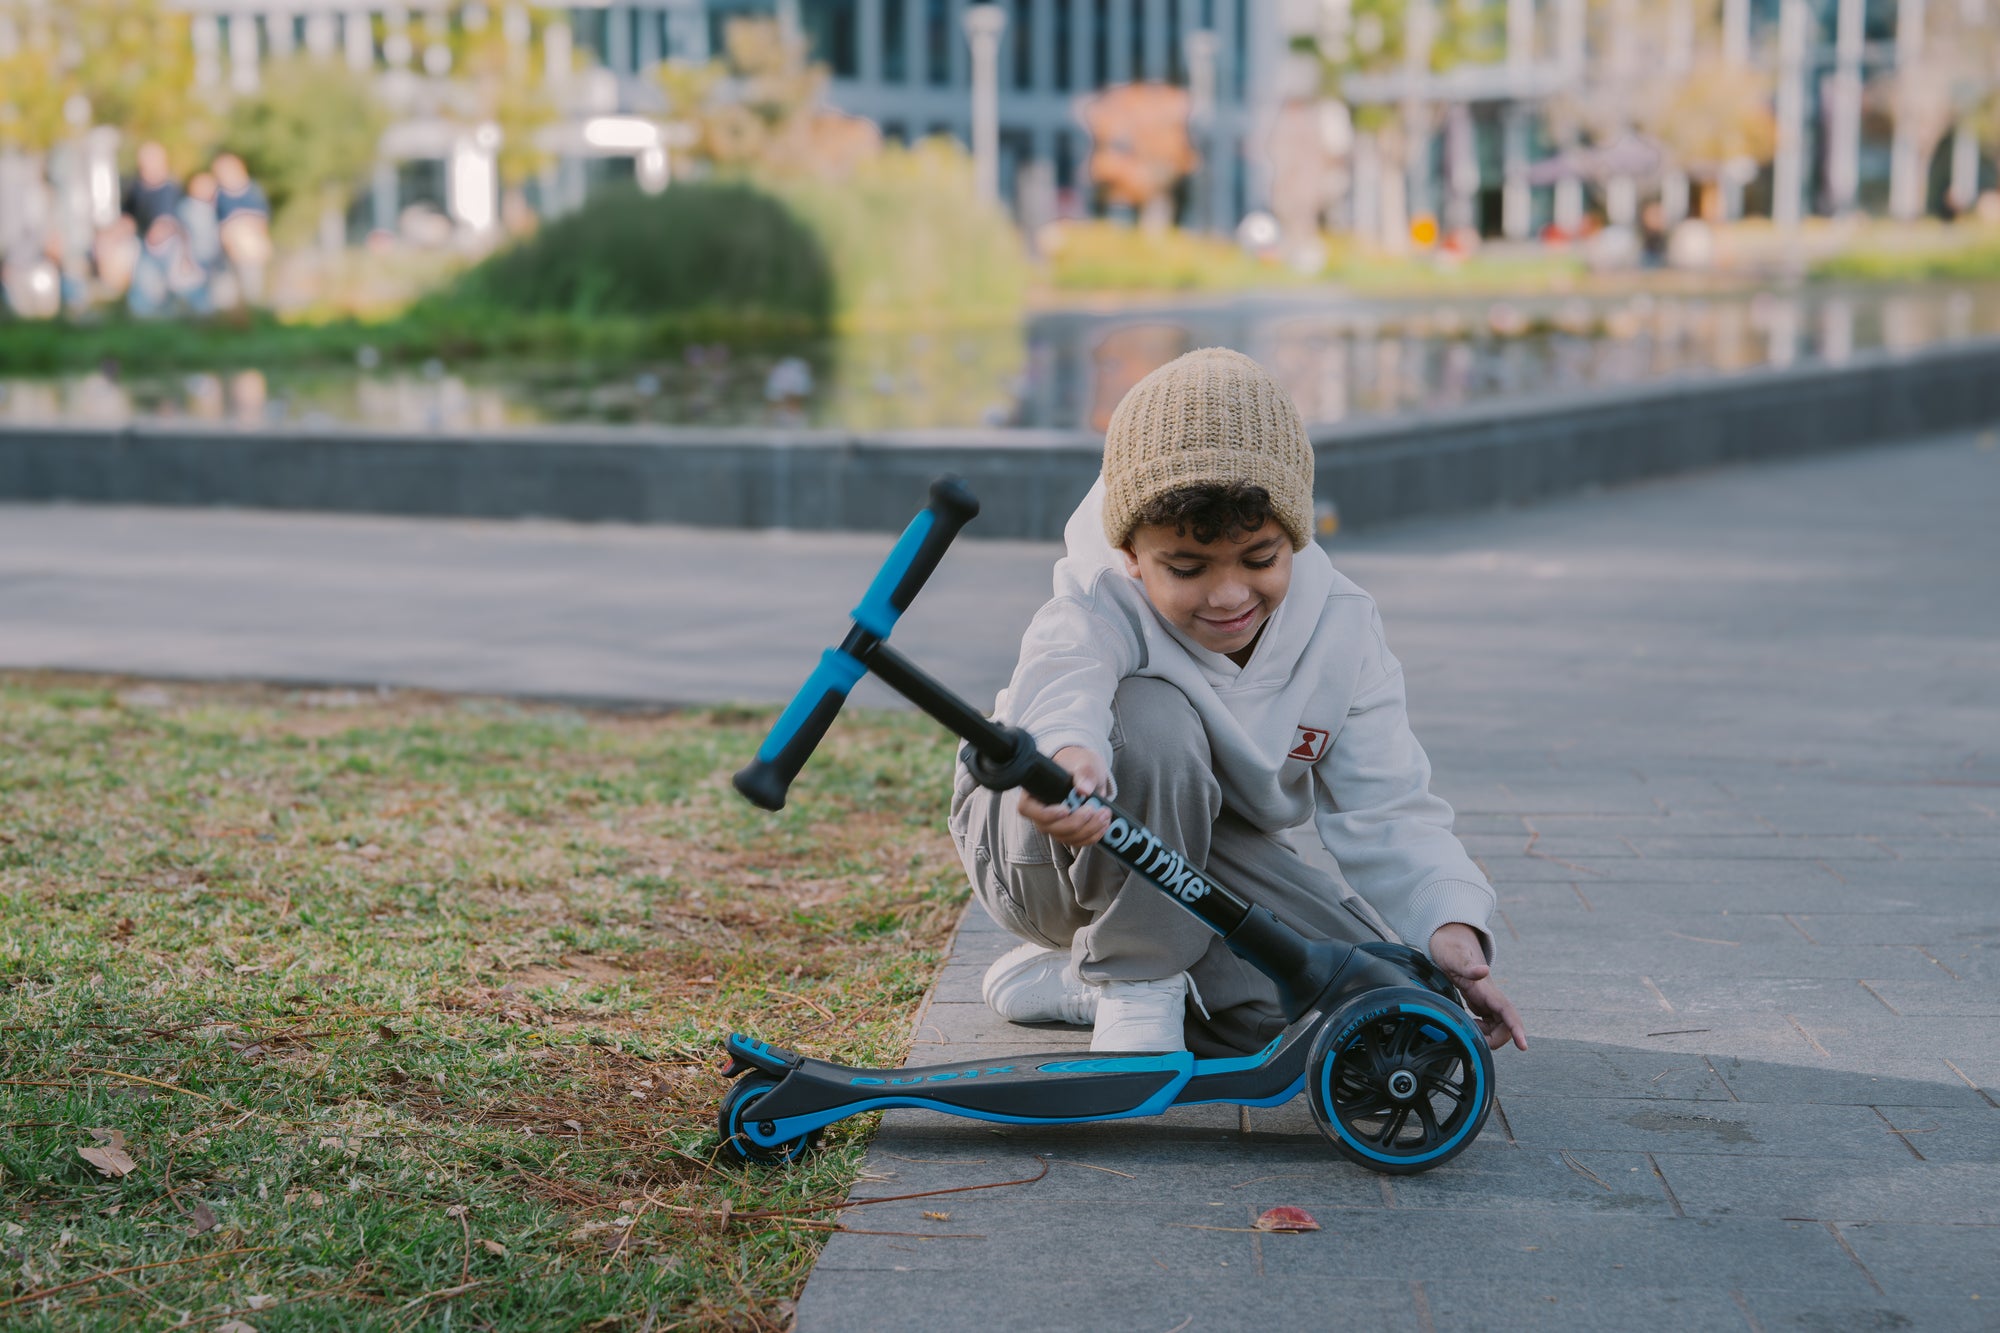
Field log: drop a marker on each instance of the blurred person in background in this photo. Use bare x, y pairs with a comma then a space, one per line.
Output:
244, 214
202, 228
116, 254
153, 193
160, 276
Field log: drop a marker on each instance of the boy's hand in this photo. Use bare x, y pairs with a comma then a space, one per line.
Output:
1455, 948
1073, 828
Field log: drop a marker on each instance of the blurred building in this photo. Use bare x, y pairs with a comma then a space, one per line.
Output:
903, 63
1489, 156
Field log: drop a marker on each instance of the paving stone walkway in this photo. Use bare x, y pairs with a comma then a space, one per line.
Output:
1729, 748
1728, 745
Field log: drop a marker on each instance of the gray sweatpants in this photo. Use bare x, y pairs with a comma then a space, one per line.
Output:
1120, 928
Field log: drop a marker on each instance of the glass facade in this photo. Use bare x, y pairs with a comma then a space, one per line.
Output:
830, 32
895, 41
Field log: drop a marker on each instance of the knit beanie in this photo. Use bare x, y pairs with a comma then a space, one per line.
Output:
1209, 417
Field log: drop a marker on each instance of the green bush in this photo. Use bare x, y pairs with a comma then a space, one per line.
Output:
901, 240
695, 247
1964, 253
1108, 257
910, 243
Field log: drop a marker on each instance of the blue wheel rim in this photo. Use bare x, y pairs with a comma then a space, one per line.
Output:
1463, 1117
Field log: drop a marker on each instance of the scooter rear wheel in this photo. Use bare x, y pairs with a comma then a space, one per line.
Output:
1400, 1080
738, 1109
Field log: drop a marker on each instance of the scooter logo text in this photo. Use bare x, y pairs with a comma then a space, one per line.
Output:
1155, 860
946, 1076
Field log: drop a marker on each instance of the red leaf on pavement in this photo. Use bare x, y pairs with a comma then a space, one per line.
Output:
1286, 1218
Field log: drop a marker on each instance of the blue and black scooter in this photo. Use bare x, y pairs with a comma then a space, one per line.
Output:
1395, 1071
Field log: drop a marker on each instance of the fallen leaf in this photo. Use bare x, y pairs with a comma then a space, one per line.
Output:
110, 1161
493, 1247
201, 1219
456, 1210
938, 1217
576, 1125
1286, 1218
236, 1326
259, 1302
109, 1138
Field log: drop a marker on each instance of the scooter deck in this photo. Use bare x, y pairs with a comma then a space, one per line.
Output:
1052, 1088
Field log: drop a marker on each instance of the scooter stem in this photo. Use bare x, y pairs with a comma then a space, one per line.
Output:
1006, 757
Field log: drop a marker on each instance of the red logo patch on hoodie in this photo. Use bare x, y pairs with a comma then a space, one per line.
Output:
1310, 744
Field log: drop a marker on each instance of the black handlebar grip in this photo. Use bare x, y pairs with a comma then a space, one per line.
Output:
799, 730
954, 505
916, 556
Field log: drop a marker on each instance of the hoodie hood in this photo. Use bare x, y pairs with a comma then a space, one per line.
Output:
1089, 560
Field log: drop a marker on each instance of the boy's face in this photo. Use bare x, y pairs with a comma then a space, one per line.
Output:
1217, 593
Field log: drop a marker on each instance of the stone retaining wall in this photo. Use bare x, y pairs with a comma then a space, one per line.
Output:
1028, 481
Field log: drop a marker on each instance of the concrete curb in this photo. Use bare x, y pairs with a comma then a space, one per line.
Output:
1374, 471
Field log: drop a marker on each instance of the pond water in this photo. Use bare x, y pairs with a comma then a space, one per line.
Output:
1340, 359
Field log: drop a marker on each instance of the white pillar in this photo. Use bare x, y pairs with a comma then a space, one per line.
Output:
396, 44
1964, 189
1843, 149
243, 52
359, 39
983, 25
1570, 56
1736, 31
322, 38
1735, 50
1788, 166
1679, 60
1906, 169
1416, 128
206, 35
556, 53
1516, 201
1201, 48
278, 32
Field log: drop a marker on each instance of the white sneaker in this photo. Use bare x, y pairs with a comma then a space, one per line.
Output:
1036, 985
1142, 1015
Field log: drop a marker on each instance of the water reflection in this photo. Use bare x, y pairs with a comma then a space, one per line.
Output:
1068, 369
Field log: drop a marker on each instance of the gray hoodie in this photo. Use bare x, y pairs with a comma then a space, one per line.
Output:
1313, 730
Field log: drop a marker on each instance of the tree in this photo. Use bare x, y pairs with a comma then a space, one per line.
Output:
1139, 146
131, 60
761, 108
1714, 118
1389, 38
309, 137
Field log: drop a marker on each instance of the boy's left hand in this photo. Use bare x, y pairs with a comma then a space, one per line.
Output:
1455, 948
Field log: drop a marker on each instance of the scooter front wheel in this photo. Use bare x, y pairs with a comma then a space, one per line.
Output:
1400, 1080
739, 1109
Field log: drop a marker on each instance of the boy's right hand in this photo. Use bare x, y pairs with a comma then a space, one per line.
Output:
1074, 828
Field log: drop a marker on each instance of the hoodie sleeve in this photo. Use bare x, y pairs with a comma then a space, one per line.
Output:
1390, 834
1072, 658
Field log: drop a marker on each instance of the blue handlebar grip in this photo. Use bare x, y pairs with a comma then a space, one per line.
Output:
799, 729
915, 556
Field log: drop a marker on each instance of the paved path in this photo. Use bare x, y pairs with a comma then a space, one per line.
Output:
1729, 747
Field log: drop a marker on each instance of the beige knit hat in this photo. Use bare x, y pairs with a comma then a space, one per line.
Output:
1210, 416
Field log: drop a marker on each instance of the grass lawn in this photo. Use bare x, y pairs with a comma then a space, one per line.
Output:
339, 1011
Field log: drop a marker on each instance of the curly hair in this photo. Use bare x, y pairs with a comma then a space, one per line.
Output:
1210, 510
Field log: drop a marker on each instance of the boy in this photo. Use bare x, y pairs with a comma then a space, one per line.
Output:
1202, 662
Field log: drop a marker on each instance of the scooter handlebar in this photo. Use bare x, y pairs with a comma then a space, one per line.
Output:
915, 556
799, 729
